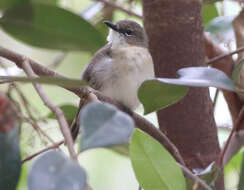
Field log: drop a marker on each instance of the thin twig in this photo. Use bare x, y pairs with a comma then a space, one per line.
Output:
116, 6
55, 109
217, 58
56, 145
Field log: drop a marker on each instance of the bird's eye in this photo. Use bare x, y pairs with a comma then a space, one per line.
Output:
128, 33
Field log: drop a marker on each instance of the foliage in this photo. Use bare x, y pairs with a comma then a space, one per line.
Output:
45, 24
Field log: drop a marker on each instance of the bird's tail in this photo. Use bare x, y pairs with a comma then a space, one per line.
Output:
75, 126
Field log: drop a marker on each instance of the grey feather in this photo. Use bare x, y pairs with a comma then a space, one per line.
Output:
89, 72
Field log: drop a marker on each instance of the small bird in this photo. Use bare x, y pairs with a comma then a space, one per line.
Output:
118, 69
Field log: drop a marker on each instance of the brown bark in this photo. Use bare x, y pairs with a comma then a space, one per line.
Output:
175, 36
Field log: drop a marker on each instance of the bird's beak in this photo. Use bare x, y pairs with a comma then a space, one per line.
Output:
112, 26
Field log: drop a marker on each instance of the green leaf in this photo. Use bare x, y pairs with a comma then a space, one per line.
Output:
155, 95
65, 82
153, 165
209, 12
10, 161
48, 26
201, 77
241, 180
54, 171
103, 125
236, 72
69, 112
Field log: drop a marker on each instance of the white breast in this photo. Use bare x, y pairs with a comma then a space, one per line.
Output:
130, 66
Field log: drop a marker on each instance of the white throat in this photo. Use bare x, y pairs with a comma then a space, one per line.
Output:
116, 39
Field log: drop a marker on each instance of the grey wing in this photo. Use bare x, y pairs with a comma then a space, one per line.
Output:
90, 73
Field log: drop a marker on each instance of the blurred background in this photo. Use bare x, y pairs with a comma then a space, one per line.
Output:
106, 169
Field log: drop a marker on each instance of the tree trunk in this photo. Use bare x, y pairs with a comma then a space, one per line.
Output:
175, 32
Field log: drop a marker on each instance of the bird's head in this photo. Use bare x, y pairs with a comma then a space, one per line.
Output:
126, 33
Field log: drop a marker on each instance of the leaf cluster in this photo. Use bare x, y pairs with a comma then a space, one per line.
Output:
44, 24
